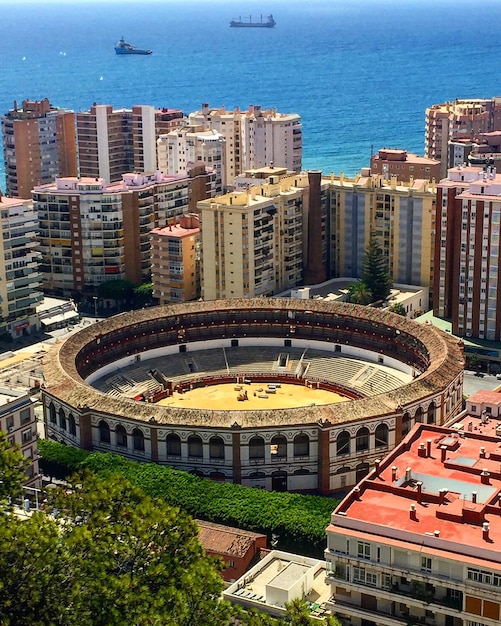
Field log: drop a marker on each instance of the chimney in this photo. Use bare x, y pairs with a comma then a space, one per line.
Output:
474, 497
482, 453
428, 448
484, 476
470, 426
419, 490
443, 450
412, 512
356, 493
422, 450
377, 463
485, 531
436, 533
441, 495
394, 473
408, 474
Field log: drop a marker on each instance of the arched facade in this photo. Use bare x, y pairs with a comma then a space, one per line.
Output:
322, 448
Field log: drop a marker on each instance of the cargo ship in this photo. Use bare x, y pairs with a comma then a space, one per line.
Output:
123, 47
268, 23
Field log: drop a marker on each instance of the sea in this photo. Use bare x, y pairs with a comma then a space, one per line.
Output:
359, 72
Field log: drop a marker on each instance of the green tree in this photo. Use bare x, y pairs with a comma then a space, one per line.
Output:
298, 614
359, 293
121, 291
398, 308
143, 294
107, 555
13, 466
375, 272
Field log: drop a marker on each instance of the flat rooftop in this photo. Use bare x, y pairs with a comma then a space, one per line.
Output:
437, 489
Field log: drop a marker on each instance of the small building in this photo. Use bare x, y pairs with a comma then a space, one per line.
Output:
238, 548
280, 578
175, 260
56, 313
406, 166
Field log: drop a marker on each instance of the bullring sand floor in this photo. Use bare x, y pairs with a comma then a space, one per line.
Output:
225, 397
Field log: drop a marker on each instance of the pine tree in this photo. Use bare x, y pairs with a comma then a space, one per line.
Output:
375, 272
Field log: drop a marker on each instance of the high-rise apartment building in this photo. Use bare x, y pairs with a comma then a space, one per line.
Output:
458, 120
417, 540
20, 279
175, 260
257, 242
467, 252
92, 232
39, 144
254, 138
113, 142
189, 146
400, 214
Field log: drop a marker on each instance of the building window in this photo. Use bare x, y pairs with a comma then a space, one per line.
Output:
278, 447
362, 576
362, 439
173, 445
27, 435
343, 443
104, 432
216, 448
25, 416
72, 427
121, 436
195, 447
256, 448
364, 550
138, 439
386, 582
382, 436
301, 445
426, 564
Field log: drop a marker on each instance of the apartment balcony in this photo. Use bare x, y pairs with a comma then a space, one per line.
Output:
417, 594
343, 607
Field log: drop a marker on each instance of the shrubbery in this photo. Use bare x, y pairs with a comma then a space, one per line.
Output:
298, 520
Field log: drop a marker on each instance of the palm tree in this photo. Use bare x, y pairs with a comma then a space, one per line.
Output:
359, 293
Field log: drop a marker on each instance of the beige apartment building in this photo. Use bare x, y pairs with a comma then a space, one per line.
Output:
175, 260
402, 216
39, 144
254, 138
259, 242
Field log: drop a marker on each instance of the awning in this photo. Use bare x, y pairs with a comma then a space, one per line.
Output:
59, 318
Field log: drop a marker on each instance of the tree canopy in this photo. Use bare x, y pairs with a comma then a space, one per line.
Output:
102, 553
13, 465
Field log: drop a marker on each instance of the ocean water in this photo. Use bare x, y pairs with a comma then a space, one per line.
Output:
360, 72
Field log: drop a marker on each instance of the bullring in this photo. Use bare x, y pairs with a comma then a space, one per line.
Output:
322, 448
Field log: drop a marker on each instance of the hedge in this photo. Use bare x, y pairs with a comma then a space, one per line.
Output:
298, 520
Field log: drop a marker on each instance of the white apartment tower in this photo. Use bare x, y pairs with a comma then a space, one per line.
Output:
189, 146
254, 138
20, 279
